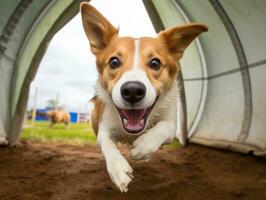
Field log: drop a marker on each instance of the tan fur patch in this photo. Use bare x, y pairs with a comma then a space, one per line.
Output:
96, 113
123, 49
162, 79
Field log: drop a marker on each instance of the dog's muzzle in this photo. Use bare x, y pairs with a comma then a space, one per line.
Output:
133, 118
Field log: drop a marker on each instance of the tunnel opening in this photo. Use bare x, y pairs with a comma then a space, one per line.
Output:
67, 73
64, 82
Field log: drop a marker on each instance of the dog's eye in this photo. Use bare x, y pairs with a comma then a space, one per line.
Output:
155, 63
114, 62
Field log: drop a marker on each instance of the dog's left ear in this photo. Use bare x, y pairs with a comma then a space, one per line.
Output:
178, 38
98, 29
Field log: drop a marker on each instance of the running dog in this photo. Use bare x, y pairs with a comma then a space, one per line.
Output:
58, 116
136, 92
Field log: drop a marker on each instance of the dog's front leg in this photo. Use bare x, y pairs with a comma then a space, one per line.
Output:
118, 168
149, 142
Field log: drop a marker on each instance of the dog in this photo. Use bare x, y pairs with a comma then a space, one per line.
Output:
58, 116
136, 91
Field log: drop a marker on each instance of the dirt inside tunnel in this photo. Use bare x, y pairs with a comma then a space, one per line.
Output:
42, 170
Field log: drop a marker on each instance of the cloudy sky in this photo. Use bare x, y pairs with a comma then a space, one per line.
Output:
68, 67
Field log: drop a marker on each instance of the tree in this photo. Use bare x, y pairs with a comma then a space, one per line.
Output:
51, 104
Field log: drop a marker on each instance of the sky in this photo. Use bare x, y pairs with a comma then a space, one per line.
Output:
68, 67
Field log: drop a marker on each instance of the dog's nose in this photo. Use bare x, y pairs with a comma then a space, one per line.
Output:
133, 91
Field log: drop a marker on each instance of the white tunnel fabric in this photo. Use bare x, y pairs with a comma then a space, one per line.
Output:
234, 51
11, 35
224, 99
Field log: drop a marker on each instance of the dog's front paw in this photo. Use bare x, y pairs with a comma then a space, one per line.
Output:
144, 146
120, 172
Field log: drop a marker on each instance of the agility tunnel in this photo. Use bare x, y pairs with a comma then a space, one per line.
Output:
223, 72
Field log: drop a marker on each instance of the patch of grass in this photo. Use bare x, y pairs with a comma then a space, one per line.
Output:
175, 144
75, 133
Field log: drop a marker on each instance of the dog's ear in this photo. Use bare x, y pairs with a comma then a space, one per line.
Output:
178, 38
97, 28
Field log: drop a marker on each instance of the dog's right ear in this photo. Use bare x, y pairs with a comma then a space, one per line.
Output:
97, 28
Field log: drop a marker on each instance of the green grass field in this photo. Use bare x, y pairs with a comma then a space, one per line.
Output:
76, 133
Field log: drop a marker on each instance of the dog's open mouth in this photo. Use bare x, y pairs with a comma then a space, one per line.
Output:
134, 120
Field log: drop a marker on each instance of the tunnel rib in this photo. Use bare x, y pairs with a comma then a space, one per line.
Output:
252, 65
243, 65
11, 25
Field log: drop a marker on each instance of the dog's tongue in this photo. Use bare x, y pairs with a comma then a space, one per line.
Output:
134, 118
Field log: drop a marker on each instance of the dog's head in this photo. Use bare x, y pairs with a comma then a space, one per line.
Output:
135, 72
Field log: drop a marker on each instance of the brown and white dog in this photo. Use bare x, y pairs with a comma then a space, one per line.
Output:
58, 116
136, 92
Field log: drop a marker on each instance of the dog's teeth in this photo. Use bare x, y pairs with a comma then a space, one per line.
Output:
125, 121
142, 122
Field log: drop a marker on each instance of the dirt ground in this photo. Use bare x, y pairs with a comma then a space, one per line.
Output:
38, 170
